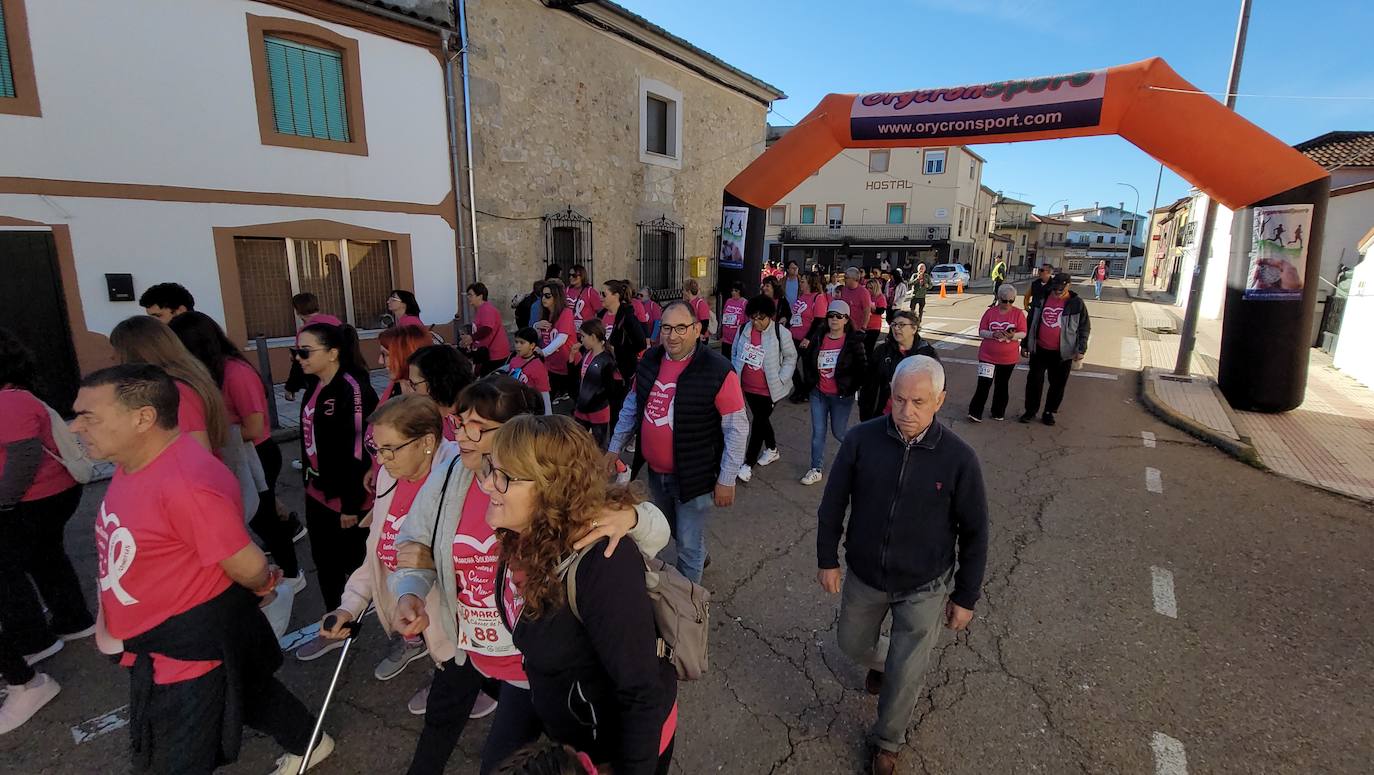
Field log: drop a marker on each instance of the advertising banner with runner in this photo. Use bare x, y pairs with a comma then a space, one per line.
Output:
1278, 252
734, 223
1002, 107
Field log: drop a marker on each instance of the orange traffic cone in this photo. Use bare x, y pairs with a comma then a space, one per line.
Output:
959, 289
942, 289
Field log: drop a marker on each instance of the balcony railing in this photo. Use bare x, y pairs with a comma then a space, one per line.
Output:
862, 232
1014, 223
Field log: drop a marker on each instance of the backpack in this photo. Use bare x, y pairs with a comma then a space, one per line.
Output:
681, 612
69, 452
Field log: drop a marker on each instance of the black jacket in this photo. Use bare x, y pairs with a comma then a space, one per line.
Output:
594, 390
598, 684
852, 366
627, 340
878, 384
698, 440
930, 511
341, 414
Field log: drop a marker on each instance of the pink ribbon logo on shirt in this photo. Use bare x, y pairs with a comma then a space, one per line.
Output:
120, 550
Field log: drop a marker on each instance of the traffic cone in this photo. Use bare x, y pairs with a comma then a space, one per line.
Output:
959, 288
942, 289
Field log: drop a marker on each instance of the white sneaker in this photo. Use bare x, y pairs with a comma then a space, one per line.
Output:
769, 456
78, 635
37, 657
745, 473
290, 764
24, 700
485, 706
812, 476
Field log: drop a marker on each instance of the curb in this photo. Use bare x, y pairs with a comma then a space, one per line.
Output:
1242, 450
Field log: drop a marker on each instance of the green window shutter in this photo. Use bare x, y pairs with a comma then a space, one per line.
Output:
6, 74
307, 90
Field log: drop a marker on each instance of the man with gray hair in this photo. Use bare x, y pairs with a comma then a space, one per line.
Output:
858, 298
916, 544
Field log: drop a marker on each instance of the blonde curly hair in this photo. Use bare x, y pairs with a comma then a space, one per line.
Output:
564, 464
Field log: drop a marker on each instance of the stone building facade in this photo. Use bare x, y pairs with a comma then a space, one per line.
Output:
599, 138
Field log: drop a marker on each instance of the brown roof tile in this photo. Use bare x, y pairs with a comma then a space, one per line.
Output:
1340, 149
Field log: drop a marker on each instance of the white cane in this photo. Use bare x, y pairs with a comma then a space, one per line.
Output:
329, 623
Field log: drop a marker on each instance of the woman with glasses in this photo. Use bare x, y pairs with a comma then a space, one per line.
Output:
764, 357
556, 338
596, 680
624, 337
439, 372
447, 530
396, 345
834, 363
404, 309
903, 341
338, 399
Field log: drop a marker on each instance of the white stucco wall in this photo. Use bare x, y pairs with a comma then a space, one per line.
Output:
161, 92
1348, 218
1214, 285
1355, 348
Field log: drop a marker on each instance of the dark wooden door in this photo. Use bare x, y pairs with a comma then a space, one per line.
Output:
33, 307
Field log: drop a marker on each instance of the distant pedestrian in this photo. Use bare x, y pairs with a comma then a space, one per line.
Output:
165, 301
557, 338
874, 323
999, 275
764, 358
834, 364
1038, 289
856, 295
625, 337
691, 293
732, 318
582, 297
1099, 277
404, 309
920, 285
1058, 339
592, 409
916, 547
486, 344
526, 365
1001, 329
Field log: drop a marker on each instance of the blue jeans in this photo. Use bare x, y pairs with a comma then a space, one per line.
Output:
836, 409
687, 520
1097, 289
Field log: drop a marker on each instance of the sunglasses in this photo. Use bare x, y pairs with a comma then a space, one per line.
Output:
836, 316
302, 353
547, 295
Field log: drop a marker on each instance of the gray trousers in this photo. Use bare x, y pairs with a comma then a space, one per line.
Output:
903, 656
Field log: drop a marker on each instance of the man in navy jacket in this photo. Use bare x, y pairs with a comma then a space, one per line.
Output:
916, 544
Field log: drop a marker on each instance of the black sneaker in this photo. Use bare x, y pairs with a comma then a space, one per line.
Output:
1027, 417
1047, 418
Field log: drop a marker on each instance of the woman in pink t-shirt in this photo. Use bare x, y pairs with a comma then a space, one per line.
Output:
557, 338
446, 547
404, 309
701, 309
1001, 329
732, 318
37, 499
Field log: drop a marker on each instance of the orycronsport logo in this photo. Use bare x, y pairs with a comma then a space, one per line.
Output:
1001, 107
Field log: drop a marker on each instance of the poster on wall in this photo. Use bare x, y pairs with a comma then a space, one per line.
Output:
1278, 252
1051, 103
734, 222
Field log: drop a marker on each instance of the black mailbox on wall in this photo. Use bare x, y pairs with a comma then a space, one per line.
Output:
121, 286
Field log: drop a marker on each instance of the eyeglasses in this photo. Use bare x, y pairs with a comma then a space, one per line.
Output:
468, 427
901, 325
500, 480
836, 316
416, 383
386, 454
302, 353
678, 330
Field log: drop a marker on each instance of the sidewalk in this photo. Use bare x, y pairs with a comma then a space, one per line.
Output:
1327, 442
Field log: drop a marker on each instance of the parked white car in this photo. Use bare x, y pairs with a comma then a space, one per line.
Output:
949, 273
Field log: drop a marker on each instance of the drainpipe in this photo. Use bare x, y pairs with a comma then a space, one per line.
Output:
462, 12
455, 170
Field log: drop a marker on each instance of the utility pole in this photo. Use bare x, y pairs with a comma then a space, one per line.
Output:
1188, 338
1130, 239
1146, 262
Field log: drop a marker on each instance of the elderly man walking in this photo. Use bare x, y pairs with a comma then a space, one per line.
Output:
916, 550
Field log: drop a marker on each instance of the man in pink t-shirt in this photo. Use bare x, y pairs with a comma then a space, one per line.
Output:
180, 584
858, 298
488, 343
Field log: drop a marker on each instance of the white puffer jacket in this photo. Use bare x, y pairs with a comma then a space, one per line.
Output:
779, 356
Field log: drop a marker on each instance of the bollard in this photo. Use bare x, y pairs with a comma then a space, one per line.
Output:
265, 374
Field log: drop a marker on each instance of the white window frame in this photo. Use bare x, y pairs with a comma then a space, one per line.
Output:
649, 87
294, 273
879, 153
932, 156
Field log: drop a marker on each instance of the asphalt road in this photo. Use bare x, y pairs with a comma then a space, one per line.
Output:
1069, 666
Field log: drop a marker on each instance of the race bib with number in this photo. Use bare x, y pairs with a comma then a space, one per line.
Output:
481, 630
827, 360
753, 356
985, 369
729, 319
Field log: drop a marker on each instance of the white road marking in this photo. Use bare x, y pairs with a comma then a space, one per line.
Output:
1023, 367
291, 640
87, 731
1130, 354
1148, 438
958, 338
1170, 758
1153, 481
1162, 587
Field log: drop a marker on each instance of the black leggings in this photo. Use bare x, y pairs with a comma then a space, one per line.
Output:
999, 383
32, 548
562, 384
337, 551
451, 697
760, 428
277, 534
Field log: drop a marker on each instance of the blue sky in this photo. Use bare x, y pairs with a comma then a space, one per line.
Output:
810, 48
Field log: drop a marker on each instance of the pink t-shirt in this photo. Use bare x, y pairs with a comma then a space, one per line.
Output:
160, 536
641, 311
584, 302
752, 377
476, 550
600, 416
656, 430
731, 317
531, 372
1011, 321
557, 362
23, 416
191, 410
875, 315
497, 343
826, 361
244, 395
702, 310
1047, 335
411, 320
401, 500
805, 310
859, 301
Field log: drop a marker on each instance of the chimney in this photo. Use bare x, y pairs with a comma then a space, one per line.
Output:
1066, 209
1097, 206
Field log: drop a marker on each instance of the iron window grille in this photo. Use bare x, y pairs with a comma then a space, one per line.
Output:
661, 256
568, 241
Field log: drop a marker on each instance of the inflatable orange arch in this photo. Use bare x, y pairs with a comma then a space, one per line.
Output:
1268, 311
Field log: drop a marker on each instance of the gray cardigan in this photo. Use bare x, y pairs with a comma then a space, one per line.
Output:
650, 535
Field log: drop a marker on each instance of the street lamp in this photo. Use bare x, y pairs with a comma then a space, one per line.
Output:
1130, 240
1050, 210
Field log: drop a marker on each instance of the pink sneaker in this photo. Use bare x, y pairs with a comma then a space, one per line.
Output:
24, 700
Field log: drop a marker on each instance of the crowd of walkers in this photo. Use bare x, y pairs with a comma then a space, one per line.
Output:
484, 526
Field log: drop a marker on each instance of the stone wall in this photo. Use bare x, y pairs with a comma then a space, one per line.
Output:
556, 117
